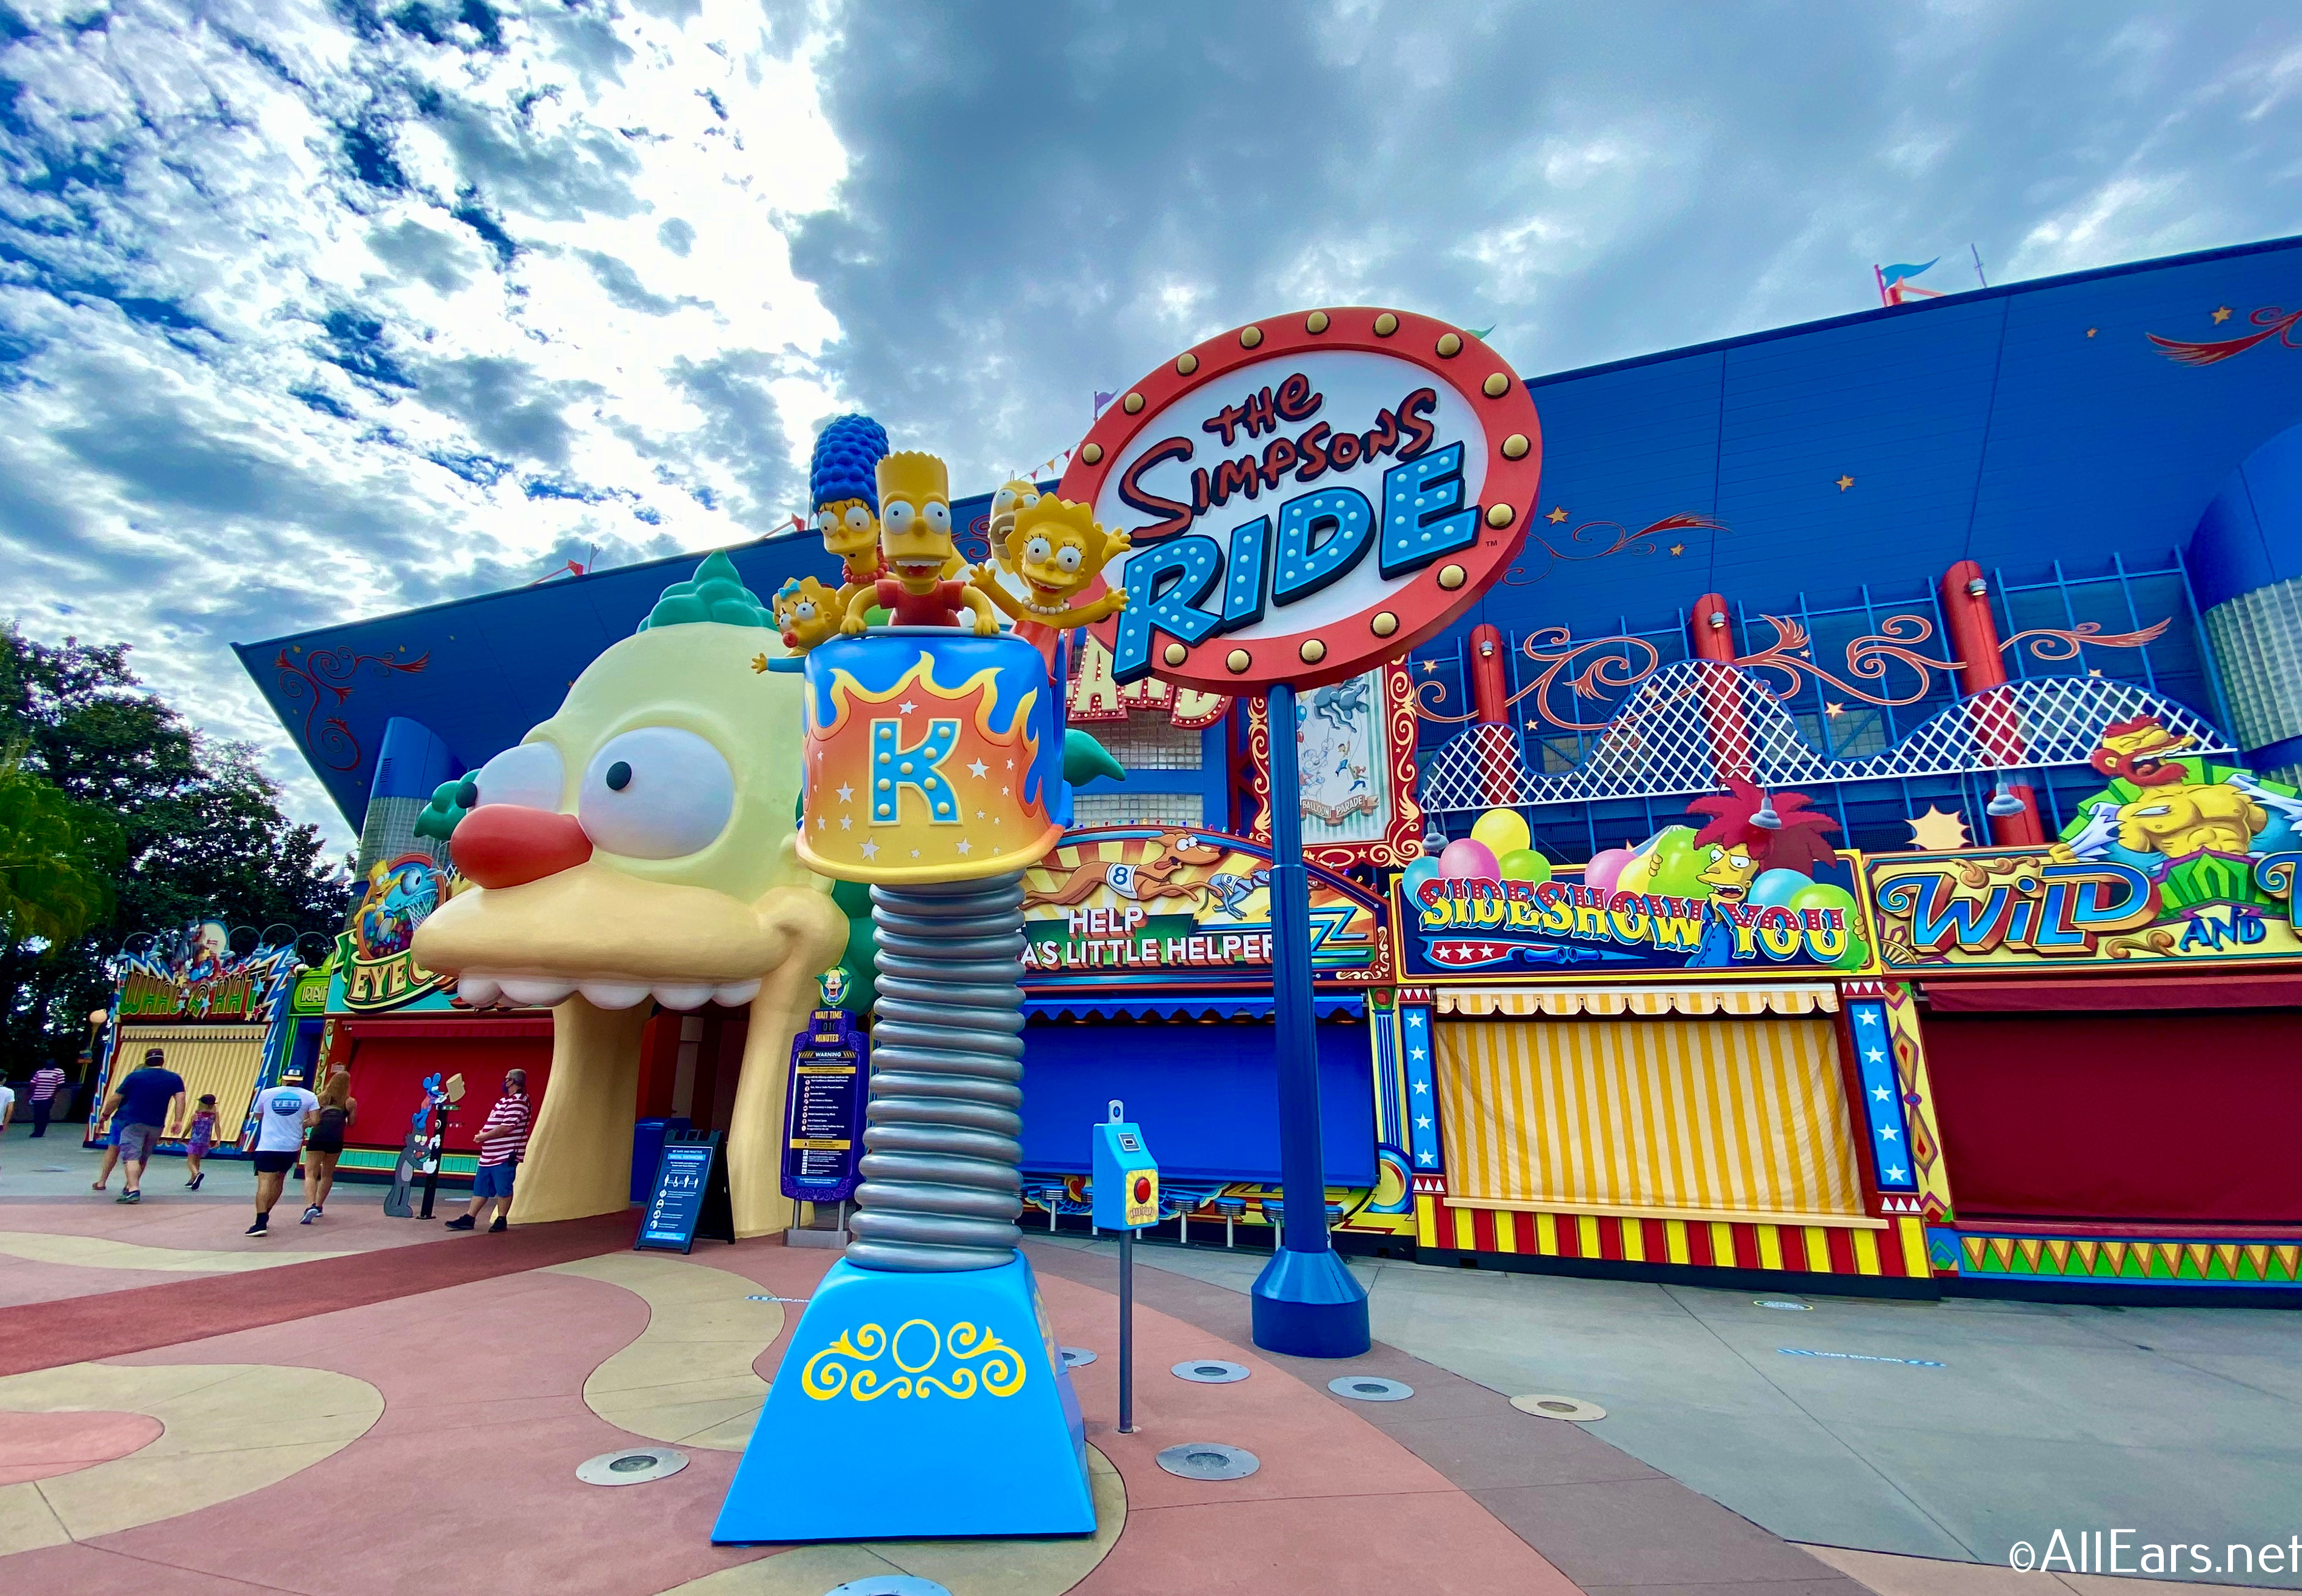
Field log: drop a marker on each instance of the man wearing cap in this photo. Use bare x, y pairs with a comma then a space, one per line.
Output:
148, 1099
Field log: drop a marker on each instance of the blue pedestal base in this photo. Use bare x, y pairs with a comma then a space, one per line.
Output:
916, 1406
1308, 1305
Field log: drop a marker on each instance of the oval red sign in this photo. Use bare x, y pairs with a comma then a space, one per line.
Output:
1308, 496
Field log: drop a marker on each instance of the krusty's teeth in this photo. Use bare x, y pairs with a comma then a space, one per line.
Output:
682, 996
613, 994
540, 992
737, 994
478, 990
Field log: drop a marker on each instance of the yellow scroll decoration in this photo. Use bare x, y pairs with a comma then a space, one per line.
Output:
1000, 1373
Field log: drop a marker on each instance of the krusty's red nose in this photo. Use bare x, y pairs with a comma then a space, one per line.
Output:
509, 844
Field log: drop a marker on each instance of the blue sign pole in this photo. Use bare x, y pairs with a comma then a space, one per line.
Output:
1306, 1302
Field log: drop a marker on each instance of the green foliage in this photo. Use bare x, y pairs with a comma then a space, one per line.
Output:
56, 859
715, 592
194, 830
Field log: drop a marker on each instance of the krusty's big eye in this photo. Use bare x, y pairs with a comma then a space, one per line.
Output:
1037, 550
1069, 557
938, 515
895, 516
859, 519
656, 793
530, 775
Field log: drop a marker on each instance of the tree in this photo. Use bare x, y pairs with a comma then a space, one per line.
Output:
197, 831
56, 859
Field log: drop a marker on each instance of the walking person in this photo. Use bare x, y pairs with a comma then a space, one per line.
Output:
284, 1112
48, 1081
197, 1139
503, 1143
326, 1143
7, 1106
149, 1100
111, 1141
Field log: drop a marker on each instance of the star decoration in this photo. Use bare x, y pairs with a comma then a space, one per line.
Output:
978, 768
2092, 330
2221, 314
1415, 1054
1875, 1056
1887, 1133
1558, 513
1882, 1094
1423, 1123
1429, 666
1426, 1158
908, 705
1896, 1174
915, 853
846, 822
846, 794
1845, 482
1935, 832
1867, 1016
870, 850
1834, 710
965, 847
822, 822
2093, 673
1422, 1089
1676, 549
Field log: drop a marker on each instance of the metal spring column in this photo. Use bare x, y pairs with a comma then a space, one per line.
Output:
941, 1189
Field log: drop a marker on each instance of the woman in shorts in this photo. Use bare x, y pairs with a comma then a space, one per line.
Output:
325, 1144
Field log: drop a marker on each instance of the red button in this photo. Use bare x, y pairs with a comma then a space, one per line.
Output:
1142, 1189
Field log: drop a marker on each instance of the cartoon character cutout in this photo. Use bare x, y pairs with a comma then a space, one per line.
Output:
915, 542
842, 488
1056, 550
1015, 494
2176, 811
1748, 833
806, 612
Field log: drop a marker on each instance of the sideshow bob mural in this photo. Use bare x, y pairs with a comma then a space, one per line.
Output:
1754, 889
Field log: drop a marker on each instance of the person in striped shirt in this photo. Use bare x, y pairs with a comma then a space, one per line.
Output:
503, 1143
46, 1081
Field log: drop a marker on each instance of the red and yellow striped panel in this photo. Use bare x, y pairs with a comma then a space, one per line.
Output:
1899, 1251
1707, 1117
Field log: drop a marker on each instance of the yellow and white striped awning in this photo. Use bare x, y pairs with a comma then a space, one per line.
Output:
222, 1059
1692, 1119
1802, 997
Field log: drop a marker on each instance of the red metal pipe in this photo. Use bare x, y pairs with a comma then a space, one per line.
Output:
1974, 636
1711, 637
1489, 699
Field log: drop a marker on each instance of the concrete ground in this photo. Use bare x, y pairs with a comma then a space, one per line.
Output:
320, 1447
2183, 1425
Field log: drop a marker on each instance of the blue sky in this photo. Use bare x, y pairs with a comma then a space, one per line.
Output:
311, 310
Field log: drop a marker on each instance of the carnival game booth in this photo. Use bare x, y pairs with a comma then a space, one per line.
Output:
229, 1022
1148, 979
1654, 1064
2110, 1025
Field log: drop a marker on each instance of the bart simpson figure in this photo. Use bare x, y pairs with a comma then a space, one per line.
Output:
807, 613
842, 487
916, 541
1055, 549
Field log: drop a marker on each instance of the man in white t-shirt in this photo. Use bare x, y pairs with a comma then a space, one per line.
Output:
282, 1112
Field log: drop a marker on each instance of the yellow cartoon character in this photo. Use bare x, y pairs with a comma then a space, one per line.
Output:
916, 544
1056, 550
807, 613
841, 487
1015, 494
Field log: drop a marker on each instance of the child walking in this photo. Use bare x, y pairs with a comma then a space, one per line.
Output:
197, 1139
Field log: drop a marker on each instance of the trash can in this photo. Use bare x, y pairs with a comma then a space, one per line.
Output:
647, 1151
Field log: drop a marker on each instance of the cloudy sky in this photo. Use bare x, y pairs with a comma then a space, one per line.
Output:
320, 308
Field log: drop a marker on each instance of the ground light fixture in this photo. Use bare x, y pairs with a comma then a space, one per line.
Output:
1547, 1405
1209, 1460
635, 1466
1370, 1387
1209, 1371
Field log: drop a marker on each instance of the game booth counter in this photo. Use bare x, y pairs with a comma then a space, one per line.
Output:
2043, 1072
230, 1022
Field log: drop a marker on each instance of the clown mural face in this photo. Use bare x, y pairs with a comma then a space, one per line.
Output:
638, 846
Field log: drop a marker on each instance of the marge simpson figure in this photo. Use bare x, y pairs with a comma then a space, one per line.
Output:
1055, 549
841, 487
916, 544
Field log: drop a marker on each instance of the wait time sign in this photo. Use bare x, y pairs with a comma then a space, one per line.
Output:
1307, 496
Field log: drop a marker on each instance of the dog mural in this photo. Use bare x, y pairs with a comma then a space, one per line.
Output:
1144, 883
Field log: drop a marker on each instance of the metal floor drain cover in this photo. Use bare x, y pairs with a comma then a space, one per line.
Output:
1370, 1387
888, 1584
1780, 1305
1545, 1405
635, 1466
1074, 1356
1209, 1460
1210, 1371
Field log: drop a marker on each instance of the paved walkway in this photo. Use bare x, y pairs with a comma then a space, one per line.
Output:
2183, 1425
